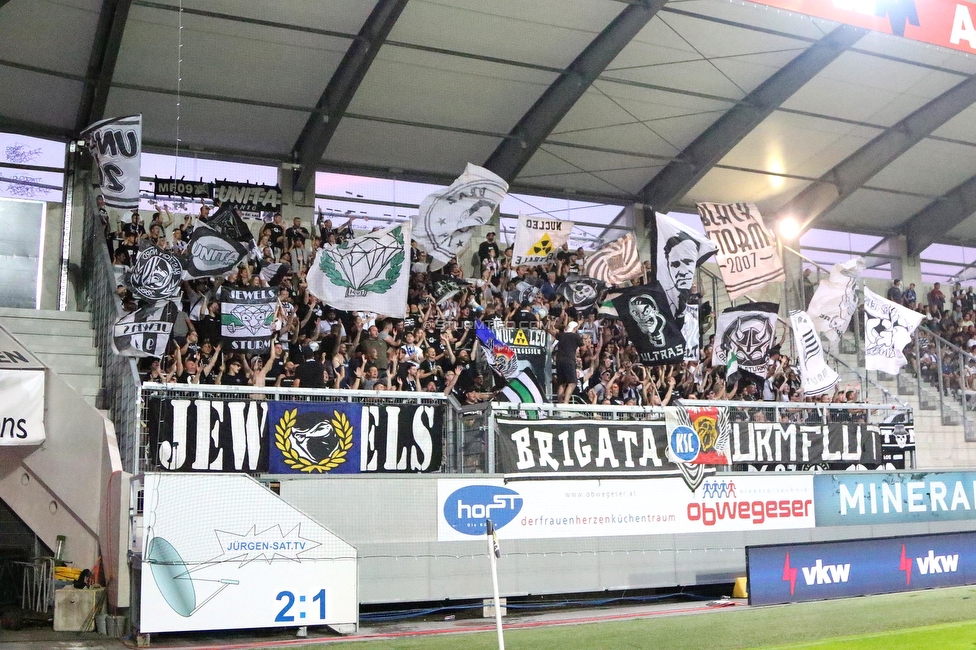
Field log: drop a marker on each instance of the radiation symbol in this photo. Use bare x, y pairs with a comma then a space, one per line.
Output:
520, 338
543, 247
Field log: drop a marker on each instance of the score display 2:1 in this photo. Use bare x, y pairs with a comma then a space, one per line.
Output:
289, 598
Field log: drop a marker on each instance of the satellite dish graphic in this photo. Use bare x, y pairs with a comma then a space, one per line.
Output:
172, 578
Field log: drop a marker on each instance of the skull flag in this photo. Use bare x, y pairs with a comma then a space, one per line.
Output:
748, 330
156, 275
656, 333
247, 318
581, 292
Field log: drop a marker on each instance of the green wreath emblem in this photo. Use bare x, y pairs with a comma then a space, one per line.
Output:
328, 266
283, 430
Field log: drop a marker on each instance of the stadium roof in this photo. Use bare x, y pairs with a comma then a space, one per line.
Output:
662, 102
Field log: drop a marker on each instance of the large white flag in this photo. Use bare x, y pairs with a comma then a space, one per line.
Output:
835, 300
443, 225
815, 375
116, 146
538, 239
366, 273
677, 252
747, 251
888, 328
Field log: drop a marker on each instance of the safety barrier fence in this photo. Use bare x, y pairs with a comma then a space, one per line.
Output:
312, 431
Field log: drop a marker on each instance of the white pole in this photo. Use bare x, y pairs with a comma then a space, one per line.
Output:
493, 554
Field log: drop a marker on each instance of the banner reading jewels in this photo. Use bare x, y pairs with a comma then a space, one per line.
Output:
594, 446
200, 435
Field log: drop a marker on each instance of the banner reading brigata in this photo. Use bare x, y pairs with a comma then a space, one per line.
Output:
653, 506
200, 435
545, 447
945, 23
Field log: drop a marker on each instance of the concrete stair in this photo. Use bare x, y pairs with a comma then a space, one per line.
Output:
940, 439
62, 341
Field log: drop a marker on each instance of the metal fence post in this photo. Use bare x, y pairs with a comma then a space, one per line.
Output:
490, 434
938, 355
962, 392
918, 371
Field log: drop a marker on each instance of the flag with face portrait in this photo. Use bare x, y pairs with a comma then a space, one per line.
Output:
747, 250
816, 376
676, 253
538, 239
835, 300
748, 331
888, 328
444, 223
116, 146
650, 324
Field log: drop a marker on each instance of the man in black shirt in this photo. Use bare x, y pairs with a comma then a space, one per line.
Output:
276, 234
488, 245
311, 374
568, 342
297, 234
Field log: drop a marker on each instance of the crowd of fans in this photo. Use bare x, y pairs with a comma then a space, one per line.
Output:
432, 349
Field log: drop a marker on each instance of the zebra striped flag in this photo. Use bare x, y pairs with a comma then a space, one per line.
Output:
523, 389
616, 262
815, 375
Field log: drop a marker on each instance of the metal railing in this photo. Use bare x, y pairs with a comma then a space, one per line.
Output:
938, 376
120, 377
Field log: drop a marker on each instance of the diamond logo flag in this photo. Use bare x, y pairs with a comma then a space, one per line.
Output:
365, 273
650, 325
747, 331
156, 275
888, 328
146, 331
538, 239
501, 357
677, 252
616, 262
835, 300
816, 376
247, 318
116, 146
443, 225
747, 252
211, 253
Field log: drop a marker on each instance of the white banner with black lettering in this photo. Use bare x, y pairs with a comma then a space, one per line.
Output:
116, 146
888, 328
538, 239
21, 407
815, 375
747, 251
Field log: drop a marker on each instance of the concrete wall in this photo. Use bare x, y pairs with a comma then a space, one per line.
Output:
392, 521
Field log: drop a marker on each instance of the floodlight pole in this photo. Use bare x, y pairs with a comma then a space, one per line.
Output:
493, 553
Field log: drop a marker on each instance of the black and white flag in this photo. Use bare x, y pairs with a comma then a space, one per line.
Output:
274, 274
581, 292
247, 318
228, 223
677, 252
248, 197
650, 325
747, 252
146, 331
211, 253
748, 331
116, 146
443, 225
445, 287
691, 331
616, 262
816, 376
888, 328
835, 300
156, 275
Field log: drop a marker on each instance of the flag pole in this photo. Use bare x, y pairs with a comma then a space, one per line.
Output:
494, 552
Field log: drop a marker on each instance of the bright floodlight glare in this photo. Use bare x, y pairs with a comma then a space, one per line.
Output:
789, 228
